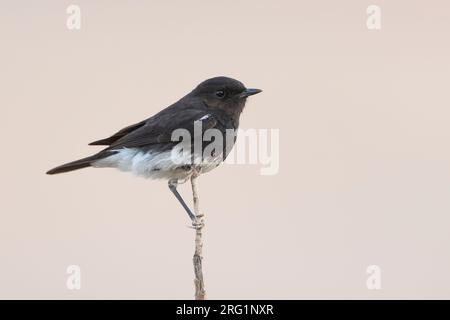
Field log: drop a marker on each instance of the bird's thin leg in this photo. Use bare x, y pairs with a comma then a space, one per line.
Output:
173, 187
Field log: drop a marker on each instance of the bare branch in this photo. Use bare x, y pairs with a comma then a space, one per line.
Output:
200, 293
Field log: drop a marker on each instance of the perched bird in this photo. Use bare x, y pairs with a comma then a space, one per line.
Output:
147, 147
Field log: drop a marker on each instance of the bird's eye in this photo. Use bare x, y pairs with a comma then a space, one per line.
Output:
220, 94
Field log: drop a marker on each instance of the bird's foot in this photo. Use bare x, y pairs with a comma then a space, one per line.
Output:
197, 223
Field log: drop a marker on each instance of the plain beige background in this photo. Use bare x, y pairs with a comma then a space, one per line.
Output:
364, 149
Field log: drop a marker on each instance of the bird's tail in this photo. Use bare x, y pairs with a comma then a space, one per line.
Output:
74, 165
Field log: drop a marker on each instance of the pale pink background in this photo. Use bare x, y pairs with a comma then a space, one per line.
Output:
364, 153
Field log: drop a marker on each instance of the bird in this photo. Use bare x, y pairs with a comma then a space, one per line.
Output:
148, 148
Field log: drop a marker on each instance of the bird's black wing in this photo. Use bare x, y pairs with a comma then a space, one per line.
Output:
118, 135
159, 128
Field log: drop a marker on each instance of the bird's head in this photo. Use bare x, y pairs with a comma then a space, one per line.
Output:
223, 93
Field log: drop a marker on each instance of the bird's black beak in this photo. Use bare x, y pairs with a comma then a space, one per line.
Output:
249, 92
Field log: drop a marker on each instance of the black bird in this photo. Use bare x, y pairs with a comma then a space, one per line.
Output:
147, 147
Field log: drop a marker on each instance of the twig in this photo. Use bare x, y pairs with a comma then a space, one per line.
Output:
200, 293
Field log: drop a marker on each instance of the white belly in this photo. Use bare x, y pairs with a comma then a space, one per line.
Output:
156, 165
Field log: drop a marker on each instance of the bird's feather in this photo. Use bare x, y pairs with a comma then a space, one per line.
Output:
159, 128
108, 141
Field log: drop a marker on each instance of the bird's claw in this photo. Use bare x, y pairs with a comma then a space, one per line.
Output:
197, 224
